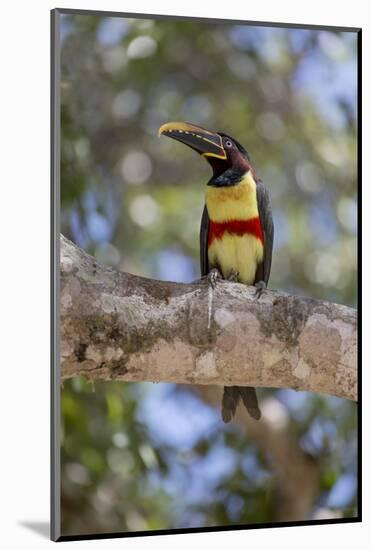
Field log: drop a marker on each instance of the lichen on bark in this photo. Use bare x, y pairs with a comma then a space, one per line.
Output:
115, 325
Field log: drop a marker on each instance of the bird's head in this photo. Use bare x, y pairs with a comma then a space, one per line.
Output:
223, 153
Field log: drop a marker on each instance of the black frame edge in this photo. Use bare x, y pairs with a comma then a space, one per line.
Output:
72, 11
55, 488
125, 534
359, 266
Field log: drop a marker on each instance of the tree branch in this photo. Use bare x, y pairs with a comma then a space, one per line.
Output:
117, 326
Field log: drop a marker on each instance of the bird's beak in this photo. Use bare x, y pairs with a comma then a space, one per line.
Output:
206, 143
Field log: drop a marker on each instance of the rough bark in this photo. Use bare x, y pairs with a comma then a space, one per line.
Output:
117, 326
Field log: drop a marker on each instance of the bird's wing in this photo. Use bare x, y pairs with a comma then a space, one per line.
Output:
266, 221
204, 235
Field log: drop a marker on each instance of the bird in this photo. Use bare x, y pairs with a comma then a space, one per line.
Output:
236, 232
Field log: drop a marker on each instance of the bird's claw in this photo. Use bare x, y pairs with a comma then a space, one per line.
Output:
233, 277
260, 287
213, 277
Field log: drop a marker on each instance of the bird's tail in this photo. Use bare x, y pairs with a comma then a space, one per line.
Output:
231, 397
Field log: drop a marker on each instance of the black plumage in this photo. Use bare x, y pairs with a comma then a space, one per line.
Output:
266, 221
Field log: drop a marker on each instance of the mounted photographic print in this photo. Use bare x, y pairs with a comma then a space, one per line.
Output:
205, 191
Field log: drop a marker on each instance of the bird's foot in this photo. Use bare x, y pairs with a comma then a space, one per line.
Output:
260, 287
233, 276
213, 276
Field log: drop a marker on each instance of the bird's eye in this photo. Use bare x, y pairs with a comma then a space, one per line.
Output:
228, 143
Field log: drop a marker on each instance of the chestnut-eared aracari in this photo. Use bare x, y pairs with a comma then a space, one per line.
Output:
236, 235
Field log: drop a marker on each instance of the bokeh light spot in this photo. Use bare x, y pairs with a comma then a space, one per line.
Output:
141, 47
114, 59
126, 104
270, 126
77, 473
82, 148
145, 211
120, 440
327, 269
308, 177
136, 167
347, 213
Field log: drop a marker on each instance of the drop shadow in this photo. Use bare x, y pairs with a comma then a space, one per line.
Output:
42, 528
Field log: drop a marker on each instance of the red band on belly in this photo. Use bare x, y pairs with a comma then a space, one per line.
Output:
235, 227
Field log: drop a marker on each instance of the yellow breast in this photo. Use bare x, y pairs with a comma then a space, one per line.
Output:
234, 253
237, 202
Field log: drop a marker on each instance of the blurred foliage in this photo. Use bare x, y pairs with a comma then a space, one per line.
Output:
154, 456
